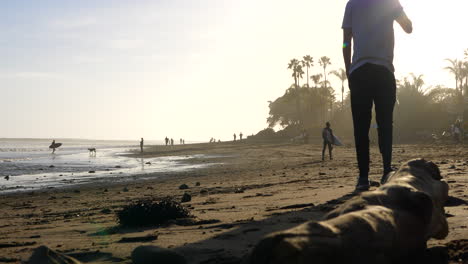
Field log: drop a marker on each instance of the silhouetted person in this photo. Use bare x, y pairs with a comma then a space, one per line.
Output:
240, 135
166, 140
371, 75
53, 146
141, 144
235, 136
457, 131
305, 136
183, 141
172, 142
328, 140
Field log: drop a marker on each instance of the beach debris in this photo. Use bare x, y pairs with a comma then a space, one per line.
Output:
183, 186
51, 166
297, 206
7, 177
151, 213
118, 167
91, 171
11, 260
148, 163
186, 198
153, 254
44, 254
148, 238
211, 200
106, 211
16, 244
239, 190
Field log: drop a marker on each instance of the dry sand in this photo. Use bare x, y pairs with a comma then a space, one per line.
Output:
253, 190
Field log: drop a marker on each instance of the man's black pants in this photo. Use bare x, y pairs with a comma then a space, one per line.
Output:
372, 84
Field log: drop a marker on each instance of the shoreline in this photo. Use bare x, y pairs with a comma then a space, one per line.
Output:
258, 188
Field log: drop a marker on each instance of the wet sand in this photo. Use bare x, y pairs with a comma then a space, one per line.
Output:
253, 190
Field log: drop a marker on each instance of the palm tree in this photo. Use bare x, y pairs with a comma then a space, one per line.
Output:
341, 74
324, 62
307, 61
316, 79
455, 68
296, 67
292, 65
464, 76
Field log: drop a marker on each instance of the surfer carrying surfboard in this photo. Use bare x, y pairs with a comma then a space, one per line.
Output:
328, 140
54, 145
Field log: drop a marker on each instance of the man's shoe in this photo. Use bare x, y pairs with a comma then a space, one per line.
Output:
386, 176
362, 187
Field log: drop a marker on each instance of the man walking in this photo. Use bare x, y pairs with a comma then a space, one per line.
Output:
371, 75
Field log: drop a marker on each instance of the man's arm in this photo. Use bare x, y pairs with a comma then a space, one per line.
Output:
405, 23
347, 37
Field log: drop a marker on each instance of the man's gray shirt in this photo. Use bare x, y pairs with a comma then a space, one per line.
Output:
371, 22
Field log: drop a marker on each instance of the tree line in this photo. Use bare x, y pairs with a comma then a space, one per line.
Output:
420, 110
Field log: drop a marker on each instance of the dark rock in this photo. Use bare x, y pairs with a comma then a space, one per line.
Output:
148, 163
106, 211
152, 254
91, 171
7, 177
197, 184
125, 189
149, 188
51, 166
183, 187
76, 191
322, 173
186, 198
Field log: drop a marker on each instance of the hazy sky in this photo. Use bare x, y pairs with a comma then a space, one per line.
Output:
125, 69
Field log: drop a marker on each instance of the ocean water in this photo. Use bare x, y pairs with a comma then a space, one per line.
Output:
29, 164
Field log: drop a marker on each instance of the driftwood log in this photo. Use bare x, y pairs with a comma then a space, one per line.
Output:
389, 225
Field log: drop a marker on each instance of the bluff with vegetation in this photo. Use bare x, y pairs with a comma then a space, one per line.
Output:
420, 110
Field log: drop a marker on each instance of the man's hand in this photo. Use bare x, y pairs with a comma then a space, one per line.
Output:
405, 23
347, 37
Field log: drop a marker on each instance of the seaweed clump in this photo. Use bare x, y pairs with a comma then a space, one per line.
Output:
151, 213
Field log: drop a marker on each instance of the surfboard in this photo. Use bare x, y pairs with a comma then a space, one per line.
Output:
337, 141
56, 145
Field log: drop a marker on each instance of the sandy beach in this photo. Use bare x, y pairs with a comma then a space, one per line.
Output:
250, 191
